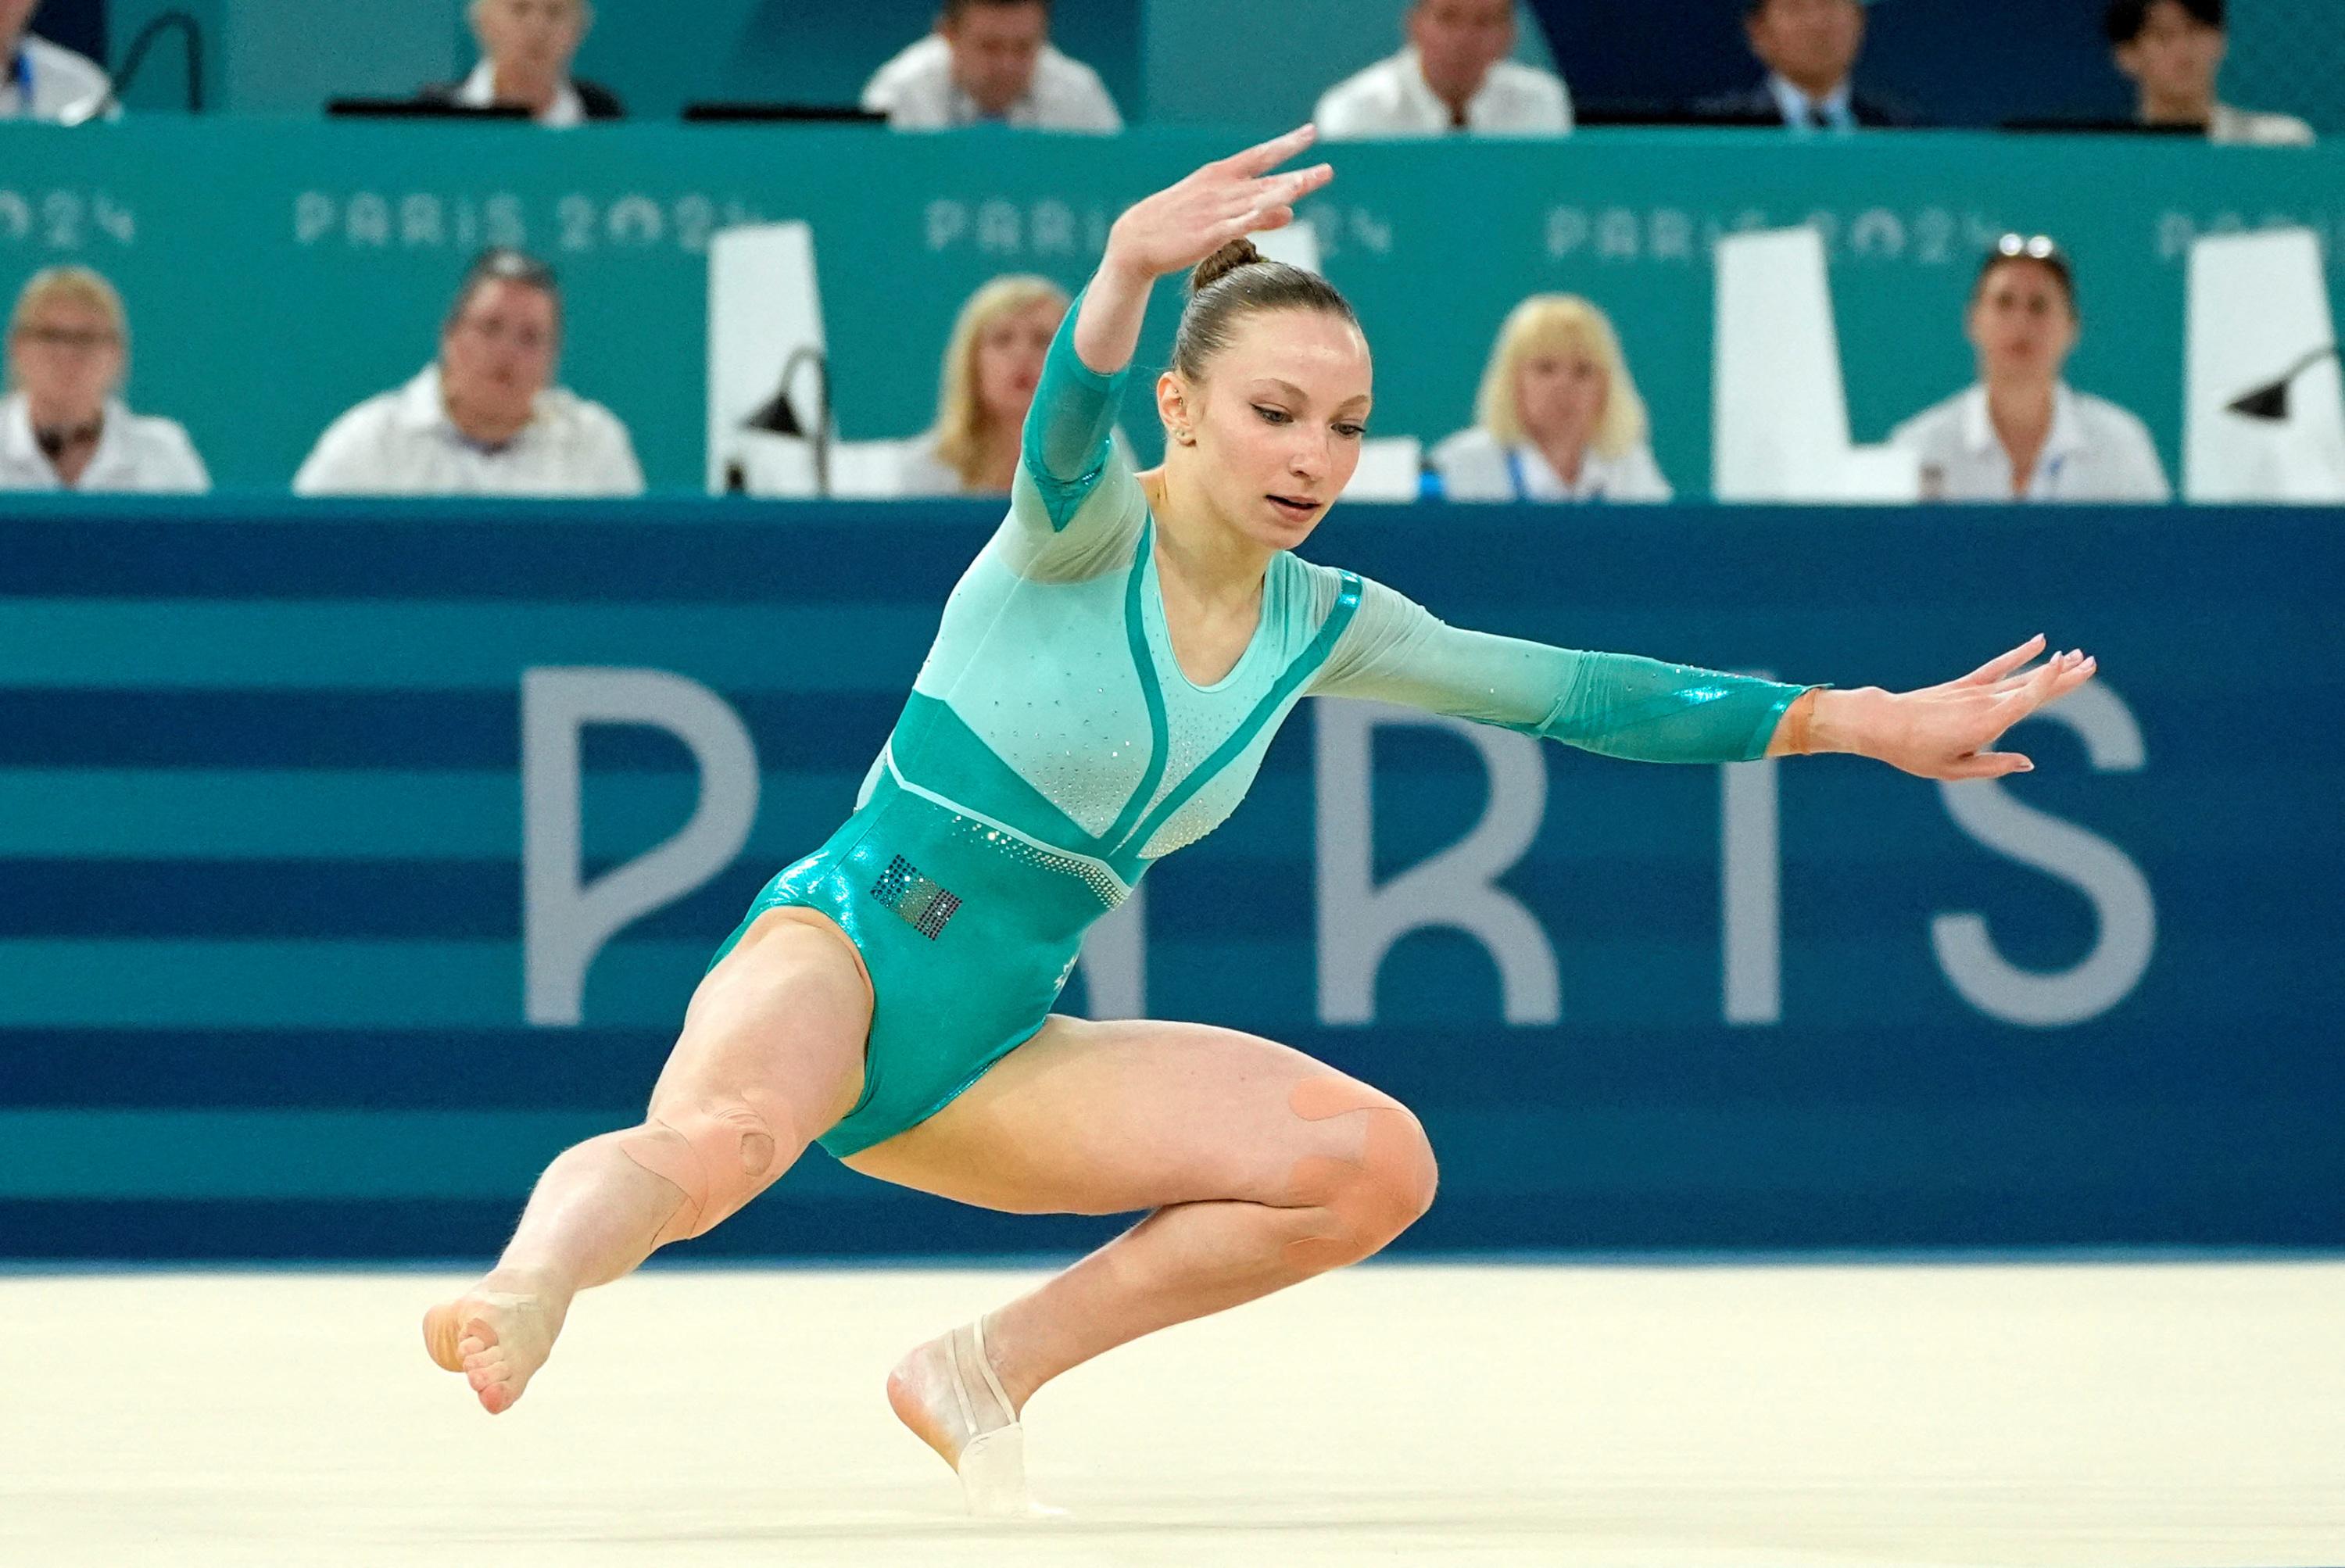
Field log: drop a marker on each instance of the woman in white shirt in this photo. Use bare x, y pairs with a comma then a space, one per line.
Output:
62, 425
992, 363
1558, 417
2021, 433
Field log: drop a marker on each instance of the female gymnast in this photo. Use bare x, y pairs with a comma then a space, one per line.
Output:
1102, 686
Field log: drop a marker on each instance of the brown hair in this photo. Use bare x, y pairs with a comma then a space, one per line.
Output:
1235, 282
2013, 249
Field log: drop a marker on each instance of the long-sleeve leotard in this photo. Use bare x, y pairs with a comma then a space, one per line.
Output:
1053, 749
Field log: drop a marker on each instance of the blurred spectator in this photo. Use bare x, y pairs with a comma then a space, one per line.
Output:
2020, 433
63, 427
2173, 50
991, 366
486, 419
1454, 75
990, 60
45, 82
1558, 417
1810, 49
526, 47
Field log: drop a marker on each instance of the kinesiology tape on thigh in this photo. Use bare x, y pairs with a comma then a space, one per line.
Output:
1370, 1200
721, 1156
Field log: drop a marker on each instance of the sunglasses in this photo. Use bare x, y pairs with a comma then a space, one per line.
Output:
2034, 247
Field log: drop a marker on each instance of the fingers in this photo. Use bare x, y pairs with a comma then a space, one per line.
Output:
1272, 201
1265, 157
2055, 680
1995, 669
1987, 765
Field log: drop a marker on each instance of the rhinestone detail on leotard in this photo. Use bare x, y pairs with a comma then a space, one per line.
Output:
923, 905
1092, 873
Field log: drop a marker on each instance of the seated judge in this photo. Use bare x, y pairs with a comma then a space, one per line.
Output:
1809, 49
2021, 433
2173, 50
485, 418
1558, 417
990, 62
992, 363
1453, 77
526, 48
64, 425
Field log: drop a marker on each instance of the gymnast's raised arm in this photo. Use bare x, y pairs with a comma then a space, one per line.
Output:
1068, 450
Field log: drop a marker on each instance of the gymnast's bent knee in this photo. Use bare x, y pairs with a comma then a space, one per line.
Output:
1366, 1201
719, 1153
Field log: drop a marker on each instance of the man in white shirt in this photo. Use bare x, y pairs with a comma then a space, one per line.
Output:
42, 81
2173, 50
1454, 75
486, 419
63, 427
526, 48
990, 60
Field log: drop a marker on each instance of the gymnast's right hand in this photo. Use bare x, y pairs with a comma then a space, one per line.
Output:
1227, 199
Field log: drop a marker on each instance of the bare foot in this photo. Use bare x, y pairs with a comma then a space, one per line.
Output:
497, 1339
952, 1397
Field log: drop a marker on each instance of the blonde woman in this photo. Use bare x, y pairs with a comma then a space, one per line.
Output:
1558, 417
63, 425
992, 365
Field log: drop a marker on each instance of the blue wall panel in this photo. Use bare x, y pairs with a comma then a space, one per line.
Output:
263, 940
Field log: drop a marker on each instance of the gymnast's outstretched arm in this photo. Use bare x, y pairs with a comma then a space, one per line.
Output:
1641, 708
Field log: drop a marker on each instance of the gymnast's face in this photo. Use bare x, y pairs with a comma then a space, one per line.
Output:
1275, 425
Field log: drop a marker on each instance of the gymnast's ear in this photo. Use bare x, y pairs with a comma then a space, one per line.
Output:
1178, 405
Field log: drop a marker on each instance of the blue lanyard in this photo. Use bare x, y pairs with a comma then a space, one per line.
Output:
20, 71
1522, 488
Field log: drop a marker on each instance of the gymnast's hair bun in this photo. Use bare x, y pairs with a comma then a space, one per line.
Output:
1237, 253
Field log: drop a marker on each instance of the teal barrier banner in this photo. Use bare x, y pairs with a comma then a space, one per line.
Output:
272, 798
308, 266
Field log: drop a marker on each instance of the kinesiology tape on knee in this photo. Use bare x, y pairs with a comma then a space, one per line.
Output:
1368, 1200
721, 1156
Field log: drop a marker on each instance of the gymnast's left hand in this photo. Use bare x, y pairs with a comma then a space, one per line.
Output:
1948, 731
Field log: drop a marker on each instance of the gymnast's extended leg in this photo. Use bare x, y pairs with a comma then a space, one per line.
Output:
770, 1055
1263, 1166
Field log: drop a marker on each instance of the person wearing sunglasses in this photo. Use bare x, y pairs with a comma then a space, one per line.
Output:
63, 425
2021, 433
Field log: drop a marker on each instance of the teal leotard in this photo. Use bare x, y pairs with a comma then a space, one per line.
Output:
1053, 749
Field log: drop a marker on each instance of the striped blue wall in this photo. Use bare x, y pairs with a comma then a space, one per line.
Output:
261, 932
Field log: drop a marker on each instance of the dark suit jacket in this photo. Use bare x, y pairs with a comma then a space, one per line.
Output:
1757, 106
600, 102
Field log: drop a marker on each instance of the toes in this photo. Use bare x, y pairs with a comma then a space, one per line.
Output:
440, 1340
